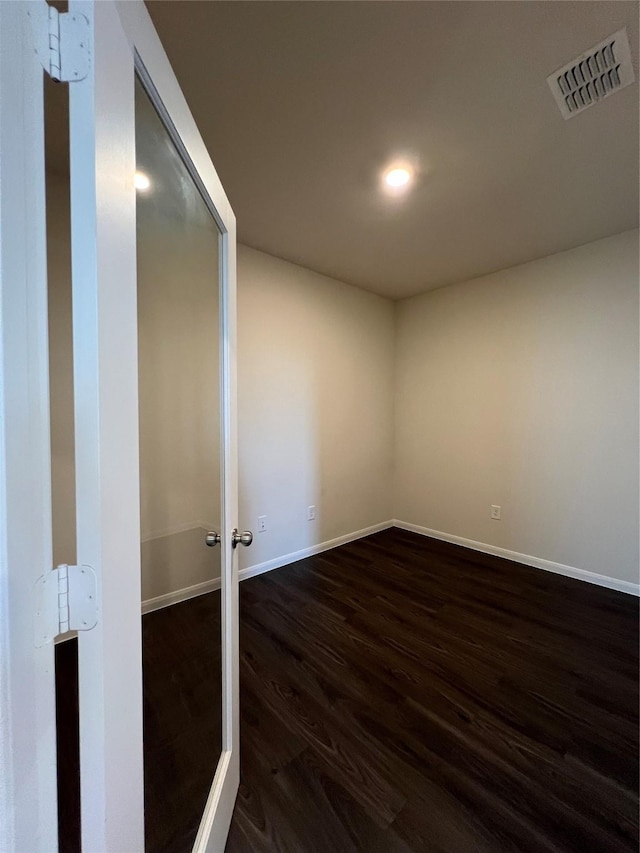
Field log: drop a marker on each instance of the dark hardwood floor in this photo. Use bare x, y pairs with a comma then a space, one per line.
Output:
182, 680
68, 746
182, 725
401, 694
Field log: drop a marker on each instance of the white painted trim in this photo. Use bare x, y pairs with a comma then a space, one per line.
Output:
260, 568
103, 279
218, 811
179, 595
28, 790
278, 562
526, 559
162, 87
188, 592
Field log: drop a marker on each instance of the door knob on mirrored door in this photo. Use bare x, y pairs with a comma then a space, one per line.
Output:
212, 538
245, 538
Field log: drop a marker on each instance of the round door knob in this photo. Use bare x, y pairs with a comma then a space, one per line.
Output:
212, 538
245, 538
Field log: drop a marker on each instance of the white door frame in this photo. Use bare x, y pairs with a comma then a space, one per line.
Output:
106, 285
28, 794
103, 261
120, 36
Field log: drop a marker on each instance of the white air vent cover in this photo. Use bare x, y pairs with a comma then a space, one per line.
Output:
594, 75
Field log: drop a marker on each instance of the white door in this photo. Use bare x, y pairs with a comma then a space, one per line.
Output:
115, 63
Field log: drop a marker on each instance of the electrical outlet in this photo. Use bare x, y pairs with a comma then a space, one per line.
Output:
311, 513
262, 523
496, 512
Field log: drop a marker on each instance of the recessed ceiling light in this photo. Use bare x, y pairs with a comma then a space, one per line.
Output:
397, 178
141, 181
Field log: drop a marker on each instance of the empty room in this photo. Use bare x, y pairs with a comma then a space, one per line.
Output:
320, 431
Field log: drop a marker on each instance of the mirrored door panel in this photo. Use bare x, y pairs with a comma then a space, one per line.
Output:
178, 247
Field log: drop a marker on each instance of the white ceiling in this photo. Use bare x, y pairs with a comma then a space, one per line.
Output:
301, 104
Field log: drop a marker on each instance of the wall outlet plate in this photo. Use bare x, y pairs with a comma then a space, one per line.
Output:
495, 512
262, 523
311, 513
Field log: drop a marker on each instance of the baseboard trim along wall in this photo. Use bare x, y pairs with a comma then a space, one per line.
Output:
278, 562
260, 568
534, 562
179, 595
176, 597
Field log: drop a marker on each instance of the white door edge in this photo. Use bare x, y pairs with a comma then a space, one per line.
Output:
110, 680
28, 791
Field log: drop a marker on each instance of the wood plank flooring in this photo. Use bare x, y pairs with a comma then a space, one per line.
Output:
182, 689
182, 725
401, 694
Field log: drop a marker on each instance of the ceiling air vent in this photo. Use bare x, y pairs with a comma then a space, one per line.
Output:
594, 75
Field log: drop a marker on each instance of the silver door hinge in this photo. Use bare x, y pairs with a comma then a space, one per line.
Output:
61, 41
65, 601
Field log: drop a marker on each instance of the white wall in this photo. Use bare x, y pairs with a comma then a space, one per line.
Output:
315, 377
521, 389
178, 358
315, 400
518, 389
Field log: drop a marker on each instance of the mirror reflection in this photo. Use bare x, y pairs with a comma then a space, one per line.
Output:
179, 421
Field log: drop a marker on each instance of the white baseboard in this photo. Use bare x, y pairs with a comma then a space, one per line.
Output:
251, 571
260, 568
278, 562
179, 595
535, 562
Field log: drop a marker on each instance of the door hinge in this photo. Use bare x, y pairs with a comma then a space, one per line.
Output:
65, 601
61, 41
